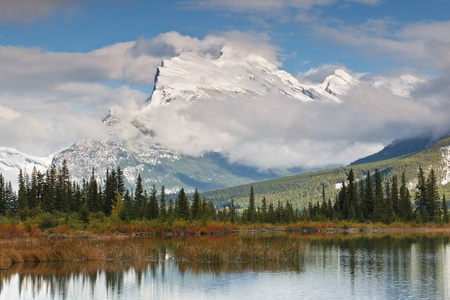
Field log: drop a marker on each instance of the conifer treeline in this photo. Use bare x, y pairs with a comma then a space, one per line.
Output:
368, 201
53, 191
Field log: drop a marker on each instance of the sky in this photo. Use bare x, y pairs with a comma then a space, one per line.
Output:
65, 63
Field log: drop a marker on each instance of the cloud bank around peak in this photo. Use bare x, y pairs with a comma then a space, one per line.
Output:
49, 88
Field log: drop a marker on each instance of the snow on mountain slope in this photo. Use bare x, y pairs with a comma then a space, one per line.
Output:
191, 77
12, 160
402, 85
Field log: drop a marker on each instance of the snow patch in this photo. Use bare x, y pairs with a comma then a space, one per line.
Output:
445, 175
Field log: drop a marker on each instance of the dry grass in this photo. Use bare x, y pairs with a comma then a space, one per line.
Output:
240, 248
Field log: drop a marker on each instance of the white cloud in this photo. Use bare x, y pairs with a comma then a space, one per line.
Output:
61, 97
257, 5
418, 44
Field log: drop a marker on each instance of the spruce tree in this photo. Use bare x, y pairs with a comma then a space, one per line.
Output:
394, 196
120, 181
233, 215
369, 203
3, 199
432, 196
183, 205
22, 196
139, 197
153, 207
421, 193
251, 206
162, 205
196, 206
379, 214
444, 210
93, 198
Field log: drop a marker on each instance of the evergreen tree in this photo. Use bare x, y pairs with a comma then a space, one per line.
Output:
22, 197
421, 192
271, 218
127, 211
432, 196
153, 204
120, 182
251, 206
162, 205
264, 210
379, 214
139, 197
405, 206
444, 210
183, 205
196, 206
170, 210
352, 192
93, 198
394, 196
390, 214
369, 204
3, 199
110, 193
233, 215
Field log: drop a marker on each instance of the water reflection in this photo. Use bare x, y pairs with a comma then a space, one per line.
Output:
345, 267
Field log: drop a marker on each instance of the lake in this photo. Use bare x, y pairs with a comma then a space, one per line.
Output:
401, 266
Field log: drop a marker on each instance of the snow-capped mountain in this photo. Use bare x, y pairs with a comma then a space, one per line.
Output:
12, 160
191, 77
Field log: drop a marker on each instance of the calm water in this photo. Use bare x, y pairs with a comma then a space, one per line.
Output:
342, 267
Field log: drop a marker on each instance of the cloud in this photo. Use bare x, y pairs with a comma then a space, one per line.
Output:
257, 5
278, 132
51, 99
26, 11
418, 44
62, 97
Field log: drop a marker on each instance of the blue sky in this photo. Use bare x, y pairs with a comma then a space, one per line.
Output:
83, 26
65, 63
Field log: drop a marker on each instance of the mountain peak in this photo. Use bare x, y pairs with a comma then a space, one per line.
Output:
191, 76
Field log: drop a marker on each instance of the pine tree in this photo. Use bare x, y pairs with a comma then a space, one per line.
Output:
264, 210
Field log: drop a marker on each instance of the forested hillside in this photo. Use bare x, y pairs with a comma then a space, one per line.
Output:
305, 188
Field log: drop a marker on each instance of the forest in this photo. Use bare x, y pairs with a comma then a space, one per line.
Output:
50, 199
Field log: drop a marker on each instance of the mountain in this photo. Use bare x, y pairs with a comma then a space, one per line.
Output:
158, 165
12, 160
192, 77
300, 189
